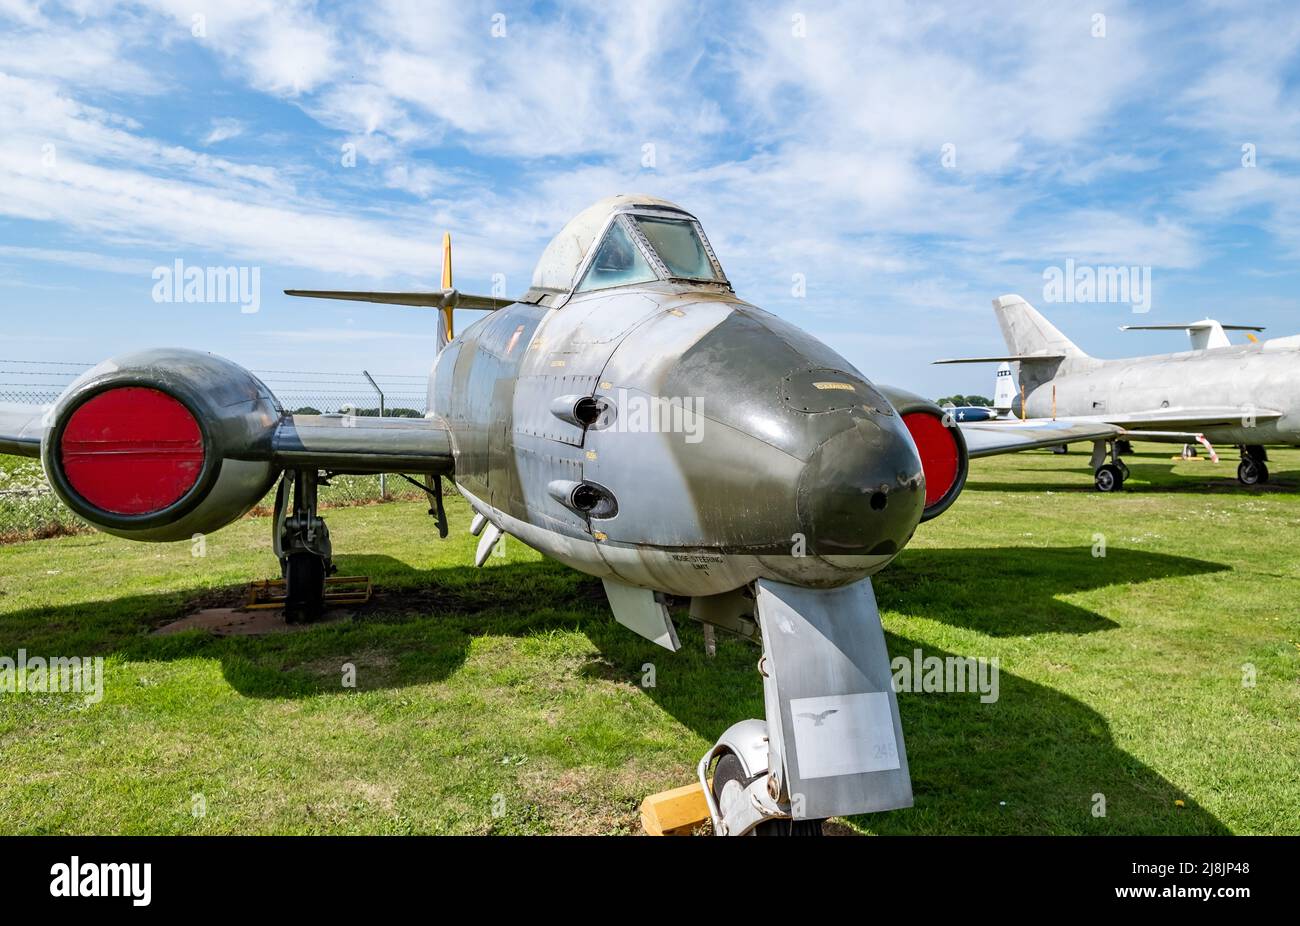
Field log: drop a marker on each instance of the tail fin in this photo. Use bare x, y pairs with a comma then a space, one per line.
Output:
1027, 332
1004, 391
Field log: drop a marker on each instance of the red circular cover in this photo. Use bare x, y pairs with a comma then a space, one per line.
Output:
132, 450
939, 456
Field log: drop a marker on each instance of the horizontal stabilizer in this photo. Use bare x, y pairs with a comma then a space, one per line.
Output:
1006, 358
1207, 334
1207, 323
447, 298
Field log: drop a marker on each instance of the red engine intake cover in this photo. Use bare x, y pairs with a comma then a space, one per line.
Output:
940, 457
132, 451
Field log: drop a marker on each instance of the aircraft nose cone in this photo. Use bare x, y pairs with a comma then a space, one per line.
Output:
861, 492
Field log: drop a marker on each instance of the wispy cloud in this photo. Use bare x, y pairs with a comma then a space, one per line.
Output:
907, 161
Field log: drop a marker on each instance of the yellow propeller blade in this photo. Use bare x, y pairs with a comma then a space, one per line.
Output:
446, 283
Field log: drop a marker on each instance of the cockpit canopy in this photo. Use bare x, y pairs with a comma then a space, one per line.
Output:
623, 240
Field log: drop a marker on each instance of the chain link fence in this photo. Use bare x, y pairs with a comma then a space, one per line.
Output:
29, 510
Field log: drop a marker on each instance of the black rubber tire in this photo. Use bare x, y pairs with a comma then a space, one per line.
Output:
1252, 471
1109, 478
304, 579
728, 768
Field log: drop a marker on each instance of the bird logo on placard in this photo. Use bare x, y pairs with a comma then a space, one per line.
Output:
819, 719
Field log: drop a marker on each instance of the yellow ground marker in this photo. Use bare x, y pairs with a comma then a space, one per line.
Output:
674, 813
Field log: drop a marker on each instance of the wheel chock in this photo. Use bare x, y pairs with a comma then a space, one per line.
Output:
340, 592
678, 812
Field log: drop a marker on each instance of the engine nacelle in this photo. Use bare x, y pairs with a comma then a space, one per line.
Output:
162, 445
939, 442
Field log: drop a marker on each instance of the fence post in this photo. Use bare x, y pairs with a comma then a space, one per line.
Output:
383, 477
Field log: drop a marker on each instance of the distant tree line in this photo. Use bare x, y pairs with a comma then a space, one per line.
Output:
960, 400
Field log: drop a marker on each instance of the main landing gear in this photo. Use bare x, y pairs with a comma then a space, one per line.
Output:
1109, 477
302, 543
1253, 469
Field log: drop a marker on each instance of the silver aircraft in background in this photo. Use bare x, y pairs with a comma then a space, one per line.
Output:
629, 416
1247, 395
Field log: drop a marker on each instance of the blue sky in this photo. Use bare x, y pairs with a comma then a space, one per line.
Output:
909, 161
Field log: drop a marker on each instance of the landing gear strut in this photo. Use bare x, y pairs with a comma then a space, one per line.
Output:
302, 543
1109, 477
1253, 469
831, 744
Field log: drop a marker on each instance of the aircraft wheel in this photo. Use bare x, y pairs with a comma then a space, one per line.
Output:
1109, 478
1251, 471
304, 576
729, 769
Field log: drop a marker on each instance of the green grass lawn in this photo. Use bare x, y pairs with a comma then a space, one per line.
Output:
506, 700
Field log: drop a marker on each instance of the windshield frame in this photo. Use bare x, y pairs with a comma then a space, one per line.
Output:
625, 218
660, 264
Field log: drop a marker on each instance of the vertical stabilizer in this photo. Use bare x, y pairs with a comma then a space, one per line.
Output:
1027, 332
1004, 391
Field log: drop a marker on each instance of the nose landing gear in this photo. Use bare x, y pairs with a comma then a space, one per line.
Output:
832, 744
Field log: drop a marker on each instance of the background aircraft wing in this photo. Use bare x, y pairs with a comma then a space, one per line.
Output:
1183, 418
989, 438
21, 427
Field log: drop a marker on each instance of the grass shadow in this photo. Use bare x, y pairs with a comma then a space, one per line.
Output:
1013, 591
1041, 752
416, 629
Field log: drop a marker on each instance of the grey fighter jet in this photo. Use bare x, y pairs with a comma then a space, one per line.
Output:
1215, 393
629, 416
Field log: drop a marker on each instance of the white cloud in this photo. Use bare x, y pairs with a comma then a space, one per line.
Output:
223, 130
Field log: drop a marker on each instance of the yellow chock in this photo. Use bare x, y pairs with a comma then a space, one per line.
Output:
674, 813
340, 592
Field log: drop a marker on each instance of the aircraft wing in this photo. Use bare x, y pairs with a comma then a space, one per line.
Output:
995, 436
339, 443
1184, 418
21, 427
348, 444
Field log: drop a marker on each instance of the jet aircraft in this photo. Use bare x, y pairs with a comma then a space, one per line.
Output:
629, 416
1215, 393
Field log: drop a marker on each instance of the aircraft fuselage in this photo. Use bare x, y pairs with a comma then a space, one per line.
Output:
731, 445
1243, 379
